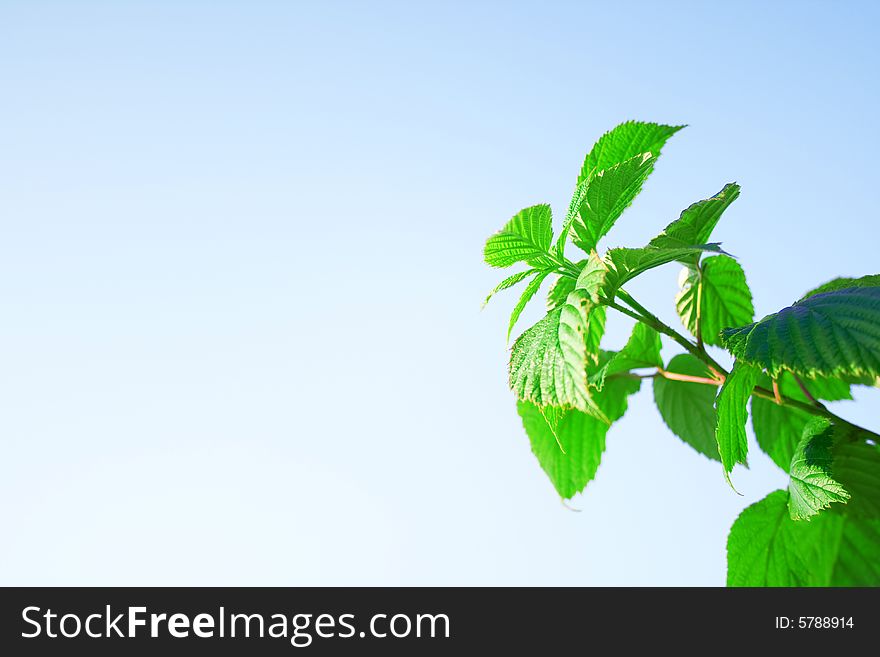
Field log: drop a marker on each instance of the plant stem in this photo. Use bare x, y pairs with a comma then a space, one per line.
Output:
806, 391
821, 411
642, 314
675, 376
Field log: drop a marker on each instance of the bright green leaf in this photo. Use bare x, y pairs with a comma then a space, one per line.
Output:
812, 486
595, 331
719, 283
625, 264
832, 334
525, 238
688, 408
836, 548
510, 281
624, 142
590, 282
530, 291
577, 199
767, 548
607, 195
730, 432
696, 223
569, 444
548, 362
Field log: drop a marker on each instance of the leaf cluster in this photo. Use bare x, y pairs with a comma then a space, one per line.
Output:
824, 529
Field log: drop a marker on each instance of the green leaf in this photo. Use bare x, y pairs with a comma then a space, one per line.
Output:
624, 264
696, 223
525, 238
779, 429
616, 146
858, 552
569, 444
856, 466
561, 288
608, 193
510, 281
624, 142
548, 362
577, 199
836, 548
719, 283
530, 291
730, 432
843, 283
593, 276
595, 331
766, 547
641, 350
832, 334
812, 486
843, 461
688, 408
590, 282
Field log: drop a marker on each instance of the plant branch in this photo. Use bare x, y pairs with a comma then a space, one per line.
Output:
675, 376
642, 314
821, 411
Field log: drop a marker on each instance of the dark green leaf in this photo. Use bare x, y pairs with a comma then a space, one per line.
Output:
843, 283
779, 429
836, 548
831, 334
688, 408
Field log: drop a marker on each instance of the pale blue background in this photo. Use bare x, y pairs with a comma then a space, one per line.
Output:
240, 276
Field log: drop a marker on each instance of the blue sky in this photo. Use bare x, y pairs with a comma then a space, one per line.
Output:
241, 276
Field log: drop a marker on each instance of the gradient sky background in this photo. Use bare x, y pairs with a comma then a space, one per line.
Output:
240, 276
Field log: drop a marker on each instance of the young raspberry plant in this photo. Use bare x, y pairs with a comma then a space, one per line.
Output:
824, 529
